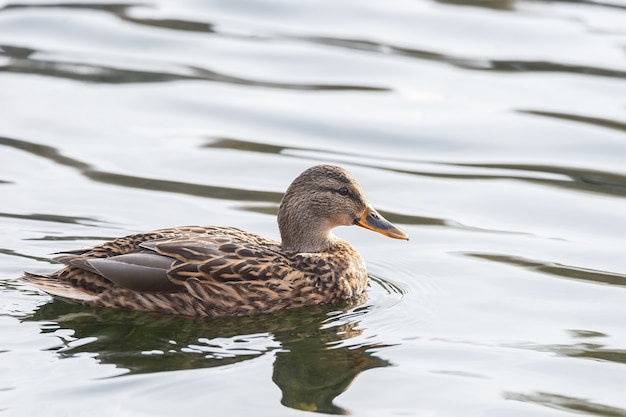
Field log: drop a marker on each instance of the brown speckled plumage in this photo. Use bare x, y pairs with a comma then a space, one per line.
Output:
224, 271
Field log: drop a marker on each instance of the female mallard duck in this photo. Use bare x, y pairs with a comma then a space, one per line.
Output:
224, 271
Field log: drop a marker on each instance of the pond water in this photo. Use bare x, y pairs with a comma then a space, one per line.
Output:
492, 131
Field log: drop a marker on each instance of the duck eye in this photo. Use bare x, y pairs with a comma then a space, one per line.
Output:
343, 191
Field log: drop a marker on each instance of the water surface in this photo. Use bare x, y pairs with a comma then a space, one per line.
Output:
493, 131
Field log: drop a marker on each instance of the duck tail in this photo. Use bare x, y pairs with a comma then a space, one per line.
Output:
58, 289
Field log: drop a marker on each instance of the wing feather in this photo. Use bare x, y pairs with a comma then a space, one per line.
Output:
143, 272
232, 261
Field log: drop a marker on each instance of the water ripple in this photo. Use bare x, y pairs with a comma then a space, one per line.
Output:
318, 351
584, 179
200, 190
121, 11
56, 218
594, 121
556, 269
560, 176
470, 63
44, 151
20, 62
566, 403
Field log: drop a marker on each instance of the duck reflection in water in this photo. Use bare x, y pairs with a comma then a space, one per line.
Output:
318, 351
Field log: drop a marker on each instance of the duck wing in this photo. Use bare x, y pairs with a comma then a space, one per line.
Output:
236, 277
143, 271
227, 261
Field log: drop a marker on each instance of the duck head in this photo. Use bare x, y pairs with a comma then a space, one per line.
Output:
320, 199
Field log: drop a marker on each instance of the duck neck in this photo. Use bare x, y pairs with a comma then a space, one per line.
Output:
305, 235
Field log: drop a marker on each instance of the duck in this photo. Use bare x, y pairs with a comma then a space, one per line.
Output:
225, 271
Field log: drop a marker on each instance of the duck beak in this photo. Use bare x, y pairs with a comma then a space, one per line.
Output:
371, 220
